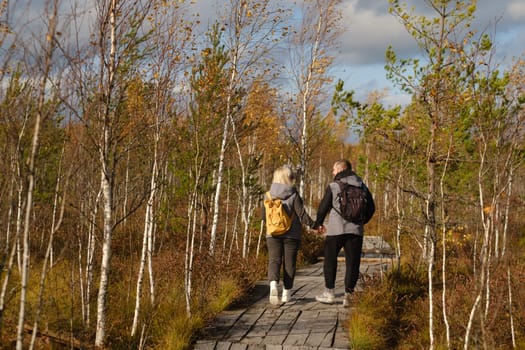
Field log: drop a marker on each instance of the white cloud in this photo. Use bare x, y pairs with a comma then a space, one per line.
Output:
516, 10
368, 34
370, 29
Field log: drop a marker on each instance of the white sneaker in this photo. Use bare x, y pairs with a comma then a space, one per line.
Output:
274, 293
327, 297
287, 295
346, 299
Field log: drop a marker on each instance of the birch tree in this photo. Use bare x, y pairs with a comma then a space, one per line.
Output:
250, 29
48, 49
434, 85
119, 35
310, 58
498, 123
171, 33
15, 134
208, 83
56, 222
458, 98
108, 15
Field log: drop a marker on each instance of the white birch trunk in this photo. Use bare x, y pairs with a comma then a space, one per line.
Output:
243, 203
444, 250
431, 294
191, 231
226, 218
5, 282
430, 240
320, 179
245, 24
107, 193
470, 321
107, 188
81, 272
20, 201
151, 244
507, 210
8, 253
259, 239
216, 198
190, 244
305, 103
483, 251
25, 233
48, 54
234, 241
399, 223
126, 185
140, 277
90, 256
488, 275
511, 310
146, 254
220, 170
19, 226
55, 225
10, 198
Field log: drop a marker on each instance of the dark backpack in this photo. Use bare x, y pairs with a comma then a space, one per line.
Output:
355, 203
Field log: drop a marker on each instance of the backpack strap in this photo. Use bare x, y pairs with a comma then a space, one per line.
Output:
341, 187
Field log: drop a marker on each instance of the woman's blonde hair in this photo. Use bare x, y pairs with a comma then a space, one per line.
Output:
284, 175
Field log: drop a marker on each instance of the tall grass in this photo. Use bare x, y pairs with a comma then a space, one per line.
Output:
380, 317
163, 325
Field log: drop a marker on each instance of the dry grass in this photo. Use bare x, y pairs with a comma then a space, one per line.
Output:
380, 320
393, 313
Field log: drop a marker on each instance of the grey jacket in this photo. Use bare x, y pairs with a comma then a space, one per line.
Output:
293, 205
336, 224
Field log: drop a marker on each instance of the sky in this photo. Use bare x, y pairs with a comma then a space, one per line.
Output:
369, 29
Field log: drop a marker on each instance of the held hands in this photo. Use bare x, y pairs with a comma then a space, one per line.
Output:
319, 229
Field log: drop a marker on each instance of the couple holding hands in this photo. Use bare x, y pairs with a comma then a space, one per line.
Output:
339, 233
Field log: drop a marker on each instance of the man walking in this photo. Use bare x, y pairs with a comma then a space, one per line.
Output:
341, 233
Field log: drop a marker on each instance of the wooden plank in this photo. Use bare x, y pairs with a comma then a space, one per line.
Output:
280, 329
303, 324
341, 335
223, 345
204, 345
243, 325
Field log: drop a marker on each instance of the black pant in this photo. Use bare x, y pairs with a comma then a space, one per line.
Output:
352, 245
277, 249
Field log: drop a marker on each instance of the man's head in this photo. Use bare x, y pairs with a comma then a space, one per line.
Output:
341, 165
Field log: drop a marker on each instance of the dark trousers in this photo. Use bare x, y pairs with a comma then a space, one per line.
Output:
353, 245
282, 251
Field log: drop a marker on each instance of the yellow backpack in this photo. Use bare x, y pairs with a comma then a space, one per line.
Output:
277, 219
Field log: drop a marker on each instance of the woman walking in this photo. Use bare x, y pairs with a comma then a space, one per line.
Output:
283, 248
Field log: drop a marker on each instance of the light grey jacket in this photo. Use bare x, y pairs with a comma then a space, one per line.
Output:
336, 225
293, 205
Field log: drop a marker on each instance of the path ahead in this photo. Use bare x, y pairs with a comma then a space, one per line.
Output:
302, 324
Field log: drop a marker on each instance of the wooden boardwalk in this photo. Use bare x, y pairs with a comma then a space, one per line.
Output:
301, 324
